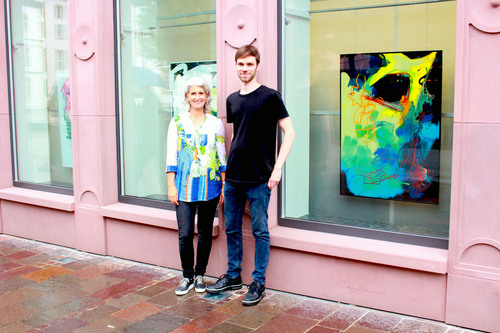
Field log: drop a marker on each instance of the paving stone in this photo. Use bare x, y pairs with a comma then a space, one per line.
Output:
16, 312
151, 291
17, 272
278, 303
171, 283
67, 325
97, 313
94, 271
379, 320
321, 329
157, 323
407, 325
251, 318
21, 254
192, 308
54, 299
115, 291
234, 306
138, 311
99, 283
343, 317
128, 300
44, 318
9, 265
136, 271
46, 273
78, 304
355, 328
105, 324
288, 323
211, 319
169, 298
230, 328
313, 309
19, 296
15, 327
187, 328
36, 259
14, 284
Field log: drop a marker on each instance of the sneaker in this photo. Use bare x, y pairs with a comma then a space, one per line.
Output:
255, 293
183, 287
223, 283
199, 285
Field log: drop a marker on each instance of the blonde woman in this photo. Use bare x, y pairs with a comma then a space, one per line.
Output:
196, 165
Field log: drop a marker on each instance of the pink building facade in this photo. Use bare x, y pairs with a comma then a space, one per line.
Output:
458, 284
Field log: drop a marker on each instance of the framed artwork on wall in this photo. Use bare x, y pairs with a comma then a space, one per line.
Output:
391, 125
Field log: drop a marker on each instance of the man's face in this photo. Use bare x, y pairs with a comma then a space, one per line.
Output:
246, 68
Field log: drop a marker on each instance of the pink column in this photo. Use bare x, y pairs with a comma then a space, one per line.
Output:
92, 100
473, 297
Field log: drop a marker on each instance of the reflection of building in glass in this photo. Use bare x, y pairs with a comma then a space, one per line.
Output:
40, 66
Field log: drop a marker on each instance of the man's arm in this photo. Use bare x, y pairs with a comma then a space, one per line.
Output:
288, 135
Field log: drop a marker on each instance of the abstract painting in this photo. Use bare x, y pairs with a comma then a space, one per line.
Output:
390, 125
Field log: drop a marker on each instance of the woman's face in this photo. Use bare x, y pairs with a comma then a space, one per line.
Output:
197, 97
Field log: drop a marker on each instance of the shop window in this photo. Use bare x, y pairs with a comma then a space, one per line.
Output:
370, 88
39, 90
160, 45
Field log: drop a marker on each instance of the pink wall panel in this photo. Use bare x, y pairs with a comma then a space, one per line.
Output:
148, 244
473, 303
34, 222
377, 286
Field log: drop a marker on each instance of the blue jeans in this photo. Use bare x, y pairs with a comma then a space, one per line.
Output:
235, 197
186, 212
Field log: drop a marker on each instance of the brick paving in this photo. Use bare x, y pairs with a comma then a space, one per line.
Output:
48, 288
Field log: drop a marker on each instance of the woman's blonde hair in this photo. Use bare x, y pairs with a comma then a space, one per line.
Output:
198, 82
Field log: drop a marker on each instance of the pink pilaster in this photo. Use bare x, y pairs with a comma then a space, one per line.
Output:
92, 100
474, 259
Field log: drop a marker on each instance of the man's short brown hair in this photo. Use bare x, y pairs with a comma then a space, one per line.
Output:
247, 51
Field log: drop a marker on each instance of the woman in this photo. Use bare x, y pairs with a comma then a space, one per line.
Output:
196, 165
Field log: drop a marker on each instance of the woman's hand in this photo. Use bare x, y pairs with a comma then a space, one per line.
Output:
173, 195
221, 196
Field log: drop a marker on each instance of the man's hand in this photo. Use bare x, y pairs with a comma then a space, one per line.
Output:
275, 178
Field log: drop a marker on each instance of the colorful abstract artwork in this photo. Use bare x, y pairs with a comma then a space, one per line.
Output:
390, 125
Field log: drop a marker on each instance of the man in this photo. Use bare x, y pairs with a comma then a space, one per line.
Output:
252, 171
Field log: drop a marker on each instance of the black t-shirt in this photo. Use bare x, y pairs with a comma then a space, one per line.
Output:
255, 116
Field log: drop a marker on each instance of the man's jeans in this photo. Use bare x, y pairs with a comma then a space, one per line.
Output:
235, 197
186, 212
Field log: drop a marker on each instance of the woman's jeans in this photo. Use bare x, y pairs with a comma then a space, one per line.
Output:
186, 212
235, 197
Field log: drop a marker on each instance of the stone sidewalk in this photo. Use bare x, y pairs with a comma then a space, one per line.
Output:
48, 288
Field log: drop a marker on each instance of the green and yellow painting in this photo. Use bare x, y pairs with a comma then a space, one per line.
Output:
390, 125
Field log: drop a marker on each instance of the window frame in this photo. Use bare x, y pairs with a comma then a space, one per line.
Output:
12, 119
345, 230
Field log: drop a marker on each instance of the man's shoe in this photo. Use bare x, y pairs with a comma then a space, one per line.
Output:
255, 293
199, 285
223, 283
184, 286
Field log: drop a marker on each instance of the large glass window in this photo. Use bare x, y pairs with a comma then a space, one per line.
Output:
369, 85
40, 90
161, 44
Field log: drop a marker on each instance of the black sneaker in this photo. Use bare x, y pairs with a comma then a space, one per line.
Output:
183, 287
199, 285
223, 283
255, 293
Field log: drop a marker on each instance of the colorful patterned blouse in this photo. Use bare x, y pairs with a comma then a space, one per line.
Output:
198, 156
